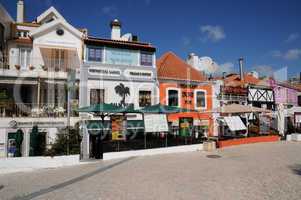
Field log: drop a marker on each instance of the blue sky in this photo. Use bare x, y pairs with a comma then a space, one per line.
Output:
267, 33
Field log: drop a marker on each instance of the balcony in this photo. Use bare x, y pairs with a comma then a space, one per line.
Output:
44, 110
232, 97
35, 67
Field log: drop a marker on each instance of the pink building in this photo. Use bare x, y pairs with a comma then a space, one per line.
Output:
285, 93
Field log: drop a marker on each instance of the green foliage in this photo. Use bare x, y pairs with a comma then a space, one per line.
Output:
61, 143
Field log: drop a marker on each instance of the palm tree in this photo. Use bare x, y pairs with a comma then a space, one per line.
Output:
122, 91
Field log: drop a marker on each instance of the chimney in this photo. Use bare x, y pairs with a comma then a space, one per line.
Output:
193, 60
115, 29
241, 72
20, 11
224, 75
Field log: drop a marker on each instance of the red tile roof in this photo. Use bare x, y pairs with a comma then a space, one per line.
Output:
170, 66
234, 80
127, 44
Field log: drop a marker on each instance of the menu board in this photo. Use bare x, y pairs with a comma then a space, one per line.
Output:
155, 123
118, 123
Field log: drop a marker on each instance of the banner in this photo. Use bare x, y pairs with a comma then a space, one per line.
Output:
118, 124
155, 123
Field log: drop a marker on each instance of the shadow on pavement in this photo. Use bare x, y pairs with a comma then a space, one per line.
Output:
296, 169
70, 182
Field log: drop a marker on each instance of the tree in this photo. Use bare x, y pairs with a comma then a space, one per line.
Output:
60, 145
122, 91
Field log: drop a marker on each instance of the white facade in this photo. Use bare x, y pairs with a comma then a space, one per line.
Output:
34, 74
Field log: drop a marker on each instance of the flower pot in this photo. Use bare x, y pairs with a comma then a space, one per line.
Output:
18, 67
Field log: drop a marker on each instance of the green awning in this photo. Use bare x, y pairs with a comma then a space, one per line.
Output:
108, 108
100, 108
164, 109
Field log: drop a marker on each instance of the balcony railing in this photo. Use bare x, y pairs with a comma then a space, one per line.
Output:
38, 63
33, 110
229, 97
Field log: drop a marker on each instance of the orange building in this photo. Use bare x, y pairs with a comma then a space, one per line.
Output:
182, 85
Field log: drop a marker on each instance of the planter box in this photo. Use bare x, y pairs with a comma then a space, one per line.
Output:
209, 146
250, 140
296, 137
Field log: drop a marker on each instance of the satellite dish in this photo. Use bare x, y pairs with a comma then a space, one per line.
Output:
127, 37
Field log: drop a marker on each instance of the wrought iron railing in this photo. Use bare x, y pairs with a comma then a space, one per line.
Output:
10, 109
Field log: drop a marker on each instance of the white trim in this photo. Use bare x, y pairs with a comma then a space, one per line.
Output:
167, 96
195, 98
54, 23
48, 12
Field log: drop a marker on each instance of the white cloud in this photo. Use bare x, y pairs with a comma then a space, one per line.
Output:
291, 54
213, 33
110, 10
207, 65
227, 67
265, 70
186, 41
292, 37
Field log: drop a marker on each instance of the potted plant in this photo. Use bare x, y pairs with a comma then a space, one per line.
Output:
44, 67
18, 67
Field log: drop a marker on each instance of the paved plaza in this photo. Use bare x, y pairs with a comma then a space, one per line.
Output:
257, 171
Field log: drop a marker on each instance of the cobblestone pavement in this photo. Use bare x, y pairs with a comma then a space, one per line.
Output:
257, 171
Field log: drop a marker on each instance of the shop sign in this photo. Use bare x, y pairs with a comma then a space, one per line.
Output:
234, 90
104, 71
155, 123
192, 86
138, 73
118, 123
188, 97
16, 124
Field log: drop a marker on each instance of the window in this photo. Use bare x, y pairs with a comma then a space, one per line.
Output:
200, 99
24, 57
144, 98
1, 37
173, 97
58, 60
95, 54
299, 100
97, 96
146, 59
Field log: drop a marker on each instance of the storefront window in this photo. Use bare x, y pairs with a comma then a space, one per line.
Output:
200, 99
94, 54
97, 96
144, 98
146, 59
173, 97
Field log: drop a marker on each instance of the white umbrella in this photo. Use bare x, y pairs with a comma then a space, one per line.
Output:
280, 119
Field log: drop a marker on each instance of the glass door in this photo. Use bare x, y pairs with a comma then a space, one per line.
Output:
24, 58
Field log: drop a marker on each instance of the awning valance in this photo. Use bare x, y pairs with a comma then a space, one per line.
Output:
235, 123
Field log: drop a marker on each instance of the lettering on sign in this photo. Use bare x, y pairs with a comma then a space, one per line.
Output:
138, 74
187, 85
104, 71
15, 124
187, 96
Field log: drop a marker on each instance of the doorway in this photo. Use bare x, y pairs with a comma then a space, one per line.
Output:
96, 147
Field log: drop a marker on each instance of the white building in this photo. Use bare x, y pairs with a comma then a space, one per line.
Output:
119, 70
37, 60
